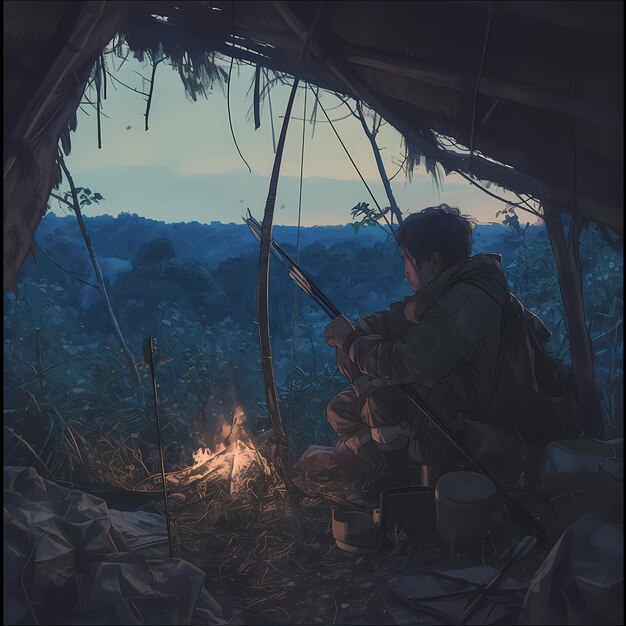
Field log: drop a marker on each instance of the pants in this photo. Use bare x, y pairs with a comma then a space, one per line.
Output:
381, 415
371, 409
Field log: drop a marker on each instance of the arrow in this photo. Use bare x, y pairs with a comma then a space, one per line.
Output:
516, 510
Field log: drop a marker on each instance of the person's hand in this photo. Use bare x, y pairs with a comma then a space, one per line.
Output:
410, 309
337, 331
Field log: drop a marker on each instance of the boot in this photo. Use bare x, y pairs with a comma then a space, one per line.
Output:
392, 474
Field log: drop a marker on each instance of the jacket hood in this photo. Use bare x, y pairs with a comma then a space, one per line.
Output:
483, 270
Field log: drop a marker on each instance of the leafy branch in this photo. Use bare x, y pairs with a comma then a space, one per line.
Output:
369, 216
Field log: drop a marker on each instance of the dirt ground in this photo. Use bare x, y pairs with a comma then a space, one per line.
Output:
263, 571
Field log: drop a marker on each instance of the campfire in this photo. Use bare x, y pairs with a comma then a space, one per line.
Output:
231, 468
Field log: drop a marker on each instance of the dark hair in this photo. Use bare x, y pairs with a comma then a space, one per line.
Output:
437, 229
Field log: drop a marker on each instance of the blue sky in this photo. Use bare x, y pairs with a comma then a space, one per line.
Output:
186, 167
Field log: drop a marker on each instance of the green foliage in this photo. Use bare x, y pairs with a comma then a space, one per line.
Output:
510, 218
369, 216
155, 251
531, 275
85, 416
305, 400
86, 197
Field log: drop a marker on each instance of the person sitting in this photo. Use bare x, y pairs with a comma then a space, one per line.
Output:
444, 339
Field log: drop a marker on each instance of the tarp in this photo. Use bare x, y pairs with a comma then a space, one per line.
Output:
573, 464
70, 559
440, 597
581, 580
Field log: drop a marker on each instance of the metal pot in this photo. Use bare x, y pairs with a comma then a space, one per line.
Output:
465, 502
355, 532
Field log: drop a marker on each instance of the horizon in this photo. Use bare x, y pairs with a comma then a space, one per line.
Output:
161, 221
188, 160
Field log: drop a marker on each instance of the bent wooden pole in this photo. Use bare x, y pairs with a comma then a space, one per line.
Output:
106, 303
282, 455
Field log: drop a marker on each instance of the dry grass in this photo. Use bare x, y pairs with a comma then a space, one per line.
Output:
262, 571
234, 522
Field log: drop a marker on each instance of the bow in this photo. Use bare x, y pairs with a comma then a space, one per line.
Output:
265, 238
301, 279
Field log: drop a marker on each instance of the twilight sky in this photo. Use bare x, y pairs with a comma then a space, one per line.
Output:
186, 167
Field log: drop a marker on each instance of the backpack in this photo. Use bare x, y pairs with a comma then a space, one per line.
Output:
536, 393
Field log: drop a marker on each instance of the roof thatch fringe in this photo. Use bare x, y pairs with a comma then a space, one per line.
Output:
196, 64
72, 124
414, 156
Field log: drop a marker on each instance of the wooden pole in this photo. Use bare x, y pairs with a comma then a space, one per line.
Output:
567, 259
282, 454
395, 209
149, 351
130, 358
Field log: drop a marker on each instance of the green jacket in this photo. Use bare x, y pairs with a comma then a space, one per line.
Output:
428, 350
428, 353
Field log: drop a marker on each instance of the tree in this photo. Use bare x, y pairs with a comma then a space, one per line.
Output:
157, 251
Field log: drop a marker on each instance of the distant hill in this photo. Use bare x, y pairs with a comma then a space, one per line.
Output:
120, 237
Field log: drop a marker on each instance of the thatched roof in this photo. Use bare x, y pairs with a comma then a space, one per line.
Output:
536, 86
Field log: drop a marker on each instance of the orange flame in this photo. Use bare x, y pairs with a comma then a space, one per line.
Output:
227, 435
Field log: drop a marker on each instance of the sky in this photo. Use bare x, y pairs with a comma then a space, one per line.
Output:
186, 166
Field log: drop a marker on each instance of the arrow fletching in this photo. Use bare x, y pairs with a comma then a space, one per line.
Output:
295, 273
257, 235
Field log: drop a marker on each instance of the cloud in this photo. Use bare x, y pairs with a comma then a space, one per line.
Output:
186, 166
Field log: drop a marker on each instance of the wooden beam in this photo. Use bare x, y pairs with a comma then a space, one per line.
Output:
601, 20
479, 167
441, 76
569, 272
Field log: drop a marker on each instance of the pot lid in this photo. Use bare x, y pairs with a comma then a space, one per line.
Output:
466, 487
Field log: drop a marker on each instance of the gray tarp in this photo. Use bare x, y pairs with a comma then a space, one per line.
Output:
440, 597
573, 463
69, 559
581, 579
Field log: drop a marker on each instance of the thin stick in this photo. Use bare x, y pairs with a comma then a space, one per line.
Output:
149, 352
371, 135
98, 103
230, 118
295, 288
30, 449
38, 375
149, 102
86, 282
269, 100
132, 364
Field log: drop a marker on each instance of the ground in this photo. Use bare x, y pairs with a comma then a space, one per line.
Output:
261, 570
